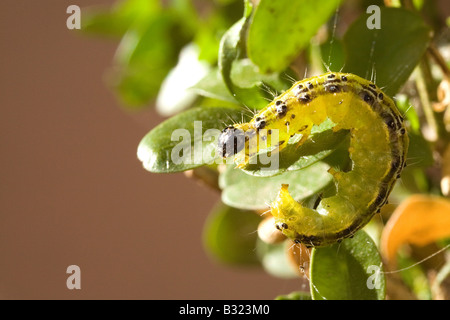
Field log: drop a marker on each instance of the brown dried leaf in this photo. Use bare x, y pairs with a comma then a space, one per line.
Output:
419, 220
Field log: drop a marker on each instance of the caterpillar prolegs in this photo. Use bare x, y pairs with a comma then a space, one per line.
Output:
378, 147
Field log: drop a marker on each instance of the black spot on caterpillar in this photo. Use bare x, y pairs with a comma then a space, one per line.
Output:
378, 147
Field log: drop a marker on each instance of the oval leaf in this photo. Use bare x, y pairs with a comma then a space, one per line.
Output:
242, 78
229, 51
275, 261
350, 270
229, 235
250, 192
185, 141
281, 29
212, 86
387, 55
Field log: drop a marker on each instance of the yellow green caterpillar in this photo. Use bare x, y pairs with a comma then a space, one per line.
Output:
378, 147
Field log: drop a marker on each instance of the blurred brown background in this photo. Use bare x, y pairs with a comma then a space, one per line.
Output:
72, 190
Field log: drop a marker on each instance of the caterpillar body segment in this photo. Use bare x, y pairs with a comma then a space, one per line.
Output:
378, 147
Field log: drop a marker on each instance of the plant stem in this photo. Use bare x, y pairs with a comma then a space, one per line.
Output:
424, 78
206, 175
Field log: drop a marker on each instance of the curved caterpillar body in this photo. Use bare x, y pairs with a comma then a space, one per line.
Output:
378, 147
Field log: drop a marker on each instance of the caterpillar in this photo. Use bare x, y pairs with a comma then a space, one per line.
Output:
377, 149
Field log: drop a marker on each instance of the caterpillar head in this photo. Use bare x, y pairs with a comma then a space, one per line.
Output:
231, 141
291, 217
282, 211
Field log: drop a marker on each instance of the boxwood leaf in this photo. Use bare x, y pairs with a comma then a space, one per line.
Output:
387, 55
274, 259
229, 235
350, 270
242, 78
187, 140
251, 192
281, 29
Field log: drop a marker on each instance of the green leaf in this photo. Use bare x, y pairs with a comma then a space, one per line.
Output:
185, 141
322, 142
244, 191
229, 235
281, 29
350, 270
418, 4
296, 295
333, 55
212, 86
388, 54
274, 259
420, 154
229, 51
241, 77
144, 57
152, 36
115, 21
245, 75
213, 25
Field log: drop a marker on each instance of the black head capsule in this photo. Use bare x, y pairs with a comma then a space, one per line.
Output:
231, 141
